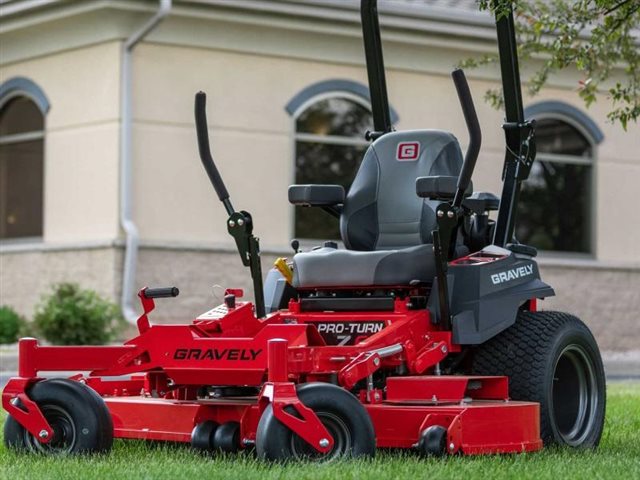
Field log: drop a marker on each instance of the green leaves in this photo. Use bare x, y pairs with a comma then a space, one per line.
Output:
598, 39
71, 316
11, 324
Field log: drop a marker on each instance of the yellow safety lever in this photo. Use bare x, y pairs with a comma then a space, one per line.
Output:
284, 268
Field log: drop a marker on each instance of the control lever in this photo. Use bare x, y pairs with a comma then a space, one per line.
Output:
239, 224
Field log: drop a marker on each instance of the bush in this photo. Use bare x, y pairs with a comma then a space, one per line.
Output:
71, 316
11, 325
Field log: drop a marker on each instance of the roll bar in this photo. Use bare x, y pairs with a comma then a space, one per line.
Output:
519, 133
475, 134
375, 69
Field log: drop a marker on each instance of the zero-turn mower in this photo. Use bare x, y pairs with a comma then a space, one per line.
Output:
422, 333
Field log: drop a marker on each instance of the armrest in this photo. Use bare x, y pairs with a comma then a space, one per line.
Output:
439, 187
481, 202
316, 195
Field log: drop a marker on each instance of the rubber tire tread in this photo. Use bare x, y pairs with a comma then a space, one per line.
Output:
86, 408
13, 434
527, 353
273, 437
226, 437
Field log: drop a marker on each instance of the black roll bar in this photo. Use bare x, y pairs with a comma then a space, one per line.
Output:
519, 134
475, 135
375, 68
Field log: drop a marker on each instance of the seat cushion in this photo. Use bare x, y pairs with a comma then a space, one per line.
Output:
330, 267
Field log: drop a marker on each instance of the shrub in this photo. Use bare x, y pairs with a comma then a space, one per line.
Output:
11, 325
71, 316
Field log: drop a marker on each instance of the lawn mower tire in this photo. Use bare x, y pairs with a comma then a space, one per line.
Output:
79, 417
227, 437
433, 441
551, 358
341, 413
202, 435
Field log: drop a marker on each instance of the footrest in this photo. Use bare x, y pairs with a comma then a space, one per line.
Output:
439, 389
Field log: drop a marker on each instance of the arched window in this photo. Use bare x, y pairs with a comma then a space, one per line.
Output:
555, 212
21, 166
329, 146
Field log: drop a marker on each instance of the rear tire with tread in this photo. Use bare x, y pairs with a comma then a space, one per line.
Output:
551, 358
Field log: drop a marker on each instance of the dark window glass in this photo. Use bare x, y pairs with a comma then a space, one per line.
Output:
324, 164
554, 211
20, 115
21, 170
558, 137
328, 161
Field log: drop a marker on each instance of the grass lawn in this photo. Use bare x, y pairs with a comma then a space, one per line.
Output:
618, 458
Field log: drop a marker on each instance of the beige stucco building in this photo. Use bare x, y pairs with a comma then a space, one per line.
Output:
262, 64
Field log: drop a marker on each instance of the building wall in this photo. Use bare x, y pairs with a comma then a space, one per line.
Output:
81, 140
28, 274
250, 72
252, 143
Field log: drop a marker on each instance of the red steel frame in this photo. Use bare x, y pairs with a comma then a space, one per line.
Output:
167, 364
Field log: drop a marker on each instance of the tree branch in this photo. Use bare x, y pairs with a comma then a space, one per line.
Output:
622, 19
615, 7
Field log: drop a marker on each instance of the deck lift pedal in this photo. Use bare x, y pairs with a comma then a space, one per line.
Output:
418, 335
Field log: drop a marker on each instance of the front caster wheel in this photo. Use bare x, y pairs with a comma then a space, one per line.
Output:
202, 435
227, 437
79, 418
551, 358
433, 441
339, 411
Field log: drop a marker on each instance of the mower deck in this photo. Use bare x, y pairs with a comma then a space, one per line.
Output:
474, 427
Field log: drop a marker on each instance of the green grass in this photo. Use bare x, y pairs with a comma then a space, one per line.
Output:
618, 457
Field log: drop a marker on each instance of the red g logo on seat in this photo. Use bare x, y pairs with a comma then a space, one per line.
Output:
408, 151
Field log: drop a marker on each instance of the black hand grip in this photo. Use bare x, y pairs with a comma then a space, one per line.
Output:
475, 135
202, 131
163, 292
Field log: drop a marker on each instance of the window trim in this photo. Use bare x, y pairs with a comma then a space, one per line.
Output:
331, 87
23, 87
560, 111
333, 139
21, 137
570, 114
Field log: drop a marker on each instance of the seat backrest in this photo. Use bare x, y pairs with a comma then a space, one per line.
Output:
381, 210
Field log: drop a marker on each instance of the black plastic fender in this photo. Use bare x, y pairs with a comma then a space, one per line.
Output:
485, 297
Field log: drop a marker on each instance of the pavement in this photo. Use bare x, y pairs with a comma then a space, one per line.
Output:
618, 366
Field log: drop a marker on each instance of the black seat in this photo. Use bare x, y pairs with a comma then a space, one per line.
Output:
385, 226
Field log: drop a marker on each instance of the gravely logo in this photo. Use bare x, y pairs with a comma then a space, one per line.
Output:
243, 354
408, 151
525, 270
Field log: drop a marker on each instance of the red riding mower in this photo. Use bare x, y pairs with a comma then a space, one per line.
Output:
423, 333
